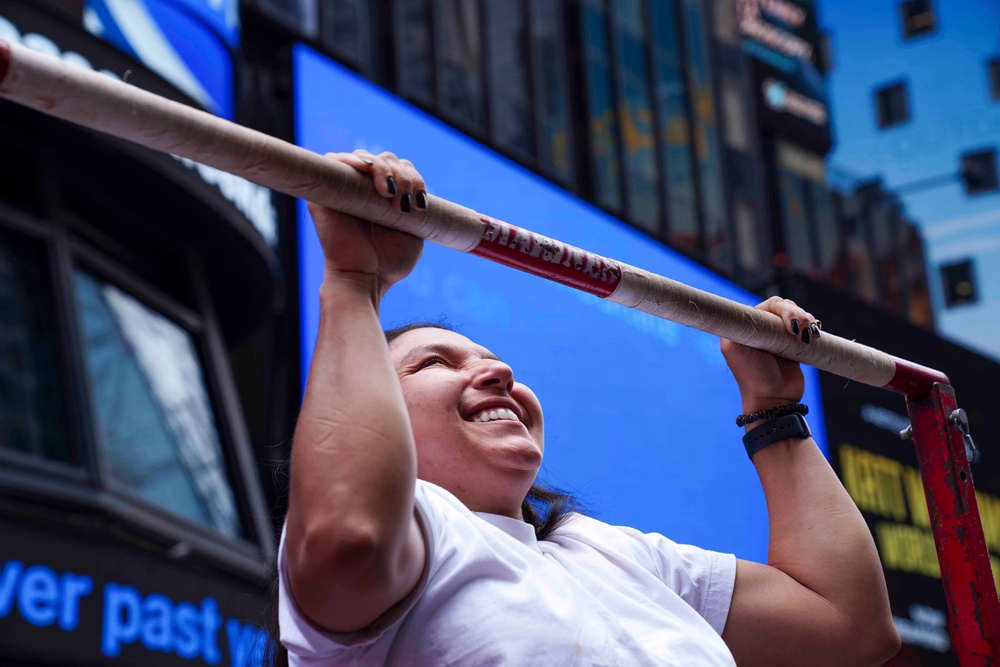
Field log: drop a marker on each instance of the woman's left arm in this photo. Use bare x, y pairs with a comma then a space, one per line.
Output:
821, 599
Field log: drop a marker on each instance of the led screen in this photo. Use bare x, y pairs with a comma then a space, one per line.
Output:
639, 411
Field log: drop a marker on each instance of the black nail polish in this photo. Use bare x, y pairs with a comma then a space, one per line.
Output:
404, 203
795, 327
422, 199
367, 161
392, 186
814, 329
805, 336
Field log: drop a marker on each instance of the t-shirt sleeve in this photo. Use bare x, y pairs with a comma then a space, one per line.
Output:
308, 644
704, 579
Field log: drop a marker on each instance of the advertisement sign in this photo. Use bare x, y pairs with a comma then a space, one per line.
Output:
187, 42
93, 603
20, 23
782, 39
639, 412
880, 470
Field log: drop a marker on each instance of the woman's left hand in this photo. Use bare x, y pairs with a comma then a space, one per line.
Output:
767, 381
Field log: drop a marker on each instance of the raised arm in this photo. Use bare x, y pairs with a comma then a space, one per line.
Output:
352, 545
821, 599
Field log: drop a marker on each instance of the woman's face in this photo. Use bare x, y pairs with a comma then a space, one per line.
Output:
478, 433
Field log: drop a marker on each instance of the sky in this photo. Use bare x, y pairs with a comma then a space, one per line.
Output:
951, 112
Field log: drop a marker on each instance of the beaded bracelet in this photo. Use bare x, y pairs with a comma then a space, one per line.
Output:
780, 411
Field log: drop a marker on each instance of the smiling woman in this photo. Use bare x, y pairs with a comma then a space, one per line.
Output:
416, 533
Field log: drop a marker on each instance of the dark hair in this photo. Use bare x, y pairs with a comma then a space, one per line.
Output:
545, 508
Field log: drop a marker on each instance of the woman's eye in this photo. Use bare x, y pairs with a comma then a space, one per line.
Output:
431, 362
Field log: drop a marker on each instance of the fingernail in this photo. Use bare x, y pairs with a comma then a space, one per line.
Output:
819, 323
391, 185
805, 336
404, 203
814, 329
367, 161
421, 199
795, 327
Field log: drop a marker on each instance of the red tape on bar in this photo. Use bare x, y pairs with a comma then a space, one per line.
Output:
4, 60
539, 255
914, 380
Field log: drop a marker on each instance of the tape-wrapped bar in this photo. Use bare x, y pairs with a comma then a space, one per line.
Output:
102, 103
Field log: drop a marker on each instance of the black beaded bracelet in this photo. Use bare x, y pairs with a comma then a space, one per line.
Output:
780, 411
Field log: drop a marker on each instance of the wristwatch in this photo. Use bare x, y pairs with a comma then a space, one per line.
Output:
782, 428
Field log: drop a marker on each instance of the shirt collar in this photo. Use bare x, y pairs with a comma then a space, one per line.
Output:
521, 531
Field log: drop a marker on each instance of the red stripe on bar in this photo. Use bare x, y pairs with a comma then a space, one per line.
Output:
4, 59
539, 255
914, 380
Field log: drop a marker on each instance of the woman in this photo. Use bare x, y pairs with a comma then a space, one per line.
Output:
377, 567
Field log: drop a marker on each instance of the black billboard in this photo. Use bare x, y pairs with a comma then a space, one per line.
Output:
782, 39
89, 602
880, 471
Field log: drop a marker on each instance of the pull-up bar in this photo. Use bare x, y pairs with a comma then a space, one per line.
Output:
102, 103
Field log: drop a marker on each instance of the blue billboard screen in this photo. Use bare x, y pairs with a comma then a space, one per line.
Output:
639, 411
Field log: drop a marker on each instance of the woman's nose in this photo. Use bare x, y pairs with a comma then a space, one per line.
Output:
493, 372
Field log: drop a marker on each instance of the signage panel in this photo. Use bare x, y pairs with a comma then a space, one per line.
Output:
93, 603
880, 470
782, 39
639, 411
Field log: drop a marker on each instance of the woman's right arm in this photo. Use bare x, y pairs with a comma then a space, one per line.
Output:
353, 548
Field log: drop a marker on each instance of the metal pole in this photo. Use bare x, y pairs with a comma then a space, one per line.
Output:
970, 592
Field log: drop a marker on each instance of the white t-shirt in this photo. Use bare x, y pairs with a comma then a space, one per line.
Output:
491, 594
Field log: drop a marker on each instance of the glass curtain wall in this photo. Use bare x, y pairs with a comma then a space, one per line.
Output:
552, 117
601, 109
674, 130
635, 114
718, 250
507, 49
458, 38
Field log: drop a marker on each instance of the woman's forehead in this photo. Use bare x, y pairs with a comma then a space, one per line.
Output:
433, 337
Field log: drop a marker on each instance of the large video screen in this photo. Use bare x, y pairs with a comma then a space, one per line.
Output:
639, 412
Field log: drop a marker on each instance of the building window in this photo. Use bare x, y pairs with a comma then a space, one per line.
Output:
959, 282
32, 416
892, 104
636, 115
993, 71
156, 428
299, 15
510, 103
412, 30
674, 128
601, 111
555, 145
346, 30
457, 34
918, 18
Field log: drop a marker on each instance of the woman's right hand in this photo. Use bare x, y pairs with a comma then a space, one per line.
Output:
361, 252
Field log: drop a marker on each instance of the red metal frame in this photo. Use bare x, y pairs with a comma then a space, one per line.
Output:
970, 592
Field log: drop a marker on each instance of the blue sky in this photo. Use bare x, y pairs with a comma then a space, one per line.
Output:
952, 112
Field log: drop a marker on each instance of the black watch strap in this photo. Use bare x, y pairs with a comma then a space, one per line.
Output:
783, 428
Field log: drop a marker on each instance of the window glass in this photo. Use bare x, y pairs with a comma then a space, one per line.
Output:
675, 130
636, 114
795, 220
347, 30
551, 108
918, 18
892, 105
510, 115
460, 60
603, 123
32, 416
828, 241
411, 26
993, 71
154, 421
718, 239
300, 15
